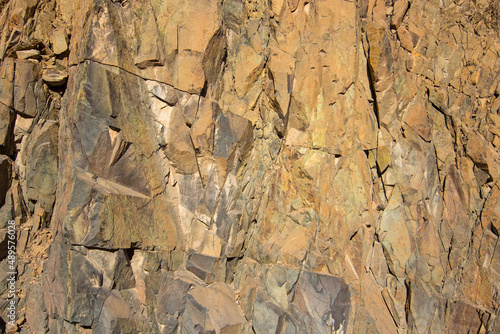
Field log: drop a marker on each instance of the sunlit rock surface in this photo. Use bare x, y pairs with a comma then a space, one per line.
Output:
251, 166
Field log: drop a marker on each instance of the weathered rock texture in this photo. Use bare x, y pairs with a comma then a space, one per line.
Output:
252, 166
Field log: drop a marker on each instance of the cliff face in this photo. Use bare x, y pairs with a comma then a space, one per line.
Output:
257, 166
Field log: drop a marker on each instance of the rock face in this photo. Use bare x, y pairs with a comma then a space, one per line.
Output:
258, 166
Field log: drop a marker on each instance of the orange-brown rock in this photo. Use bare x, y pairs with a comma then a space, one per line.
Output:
250, 166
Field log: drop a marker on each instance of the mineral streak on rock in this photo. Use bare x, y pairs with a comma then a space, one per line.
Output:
251, 166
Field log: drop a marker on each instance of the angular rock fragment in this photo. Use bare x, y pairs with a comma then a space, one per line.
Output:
59, 41
28, 54
54, 77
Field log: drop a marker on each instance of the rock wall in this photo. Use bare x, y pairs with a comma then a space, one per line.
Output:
251, 166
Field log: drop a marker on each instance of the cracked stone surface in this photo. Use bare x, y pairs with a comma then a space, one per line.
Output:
251, 166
